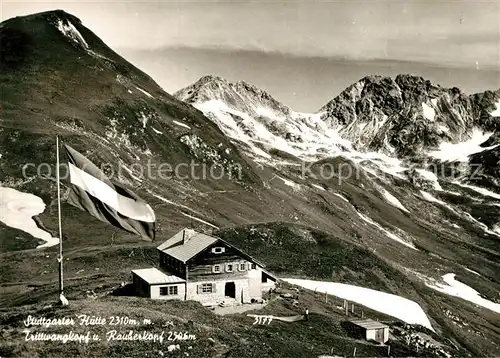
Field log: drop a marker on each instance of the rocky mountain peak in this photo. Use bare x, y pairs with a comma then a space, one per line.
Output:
240, 96
406, 114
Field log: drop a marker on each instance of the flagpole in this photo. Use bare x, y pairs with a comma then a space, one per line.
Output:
60, 258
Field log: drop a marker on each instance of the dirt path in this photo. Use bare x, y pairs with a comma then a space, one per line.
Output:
238, 309
284, 319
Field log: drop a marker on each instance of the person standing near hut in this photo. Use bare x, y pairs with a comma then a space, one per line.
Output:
306, 315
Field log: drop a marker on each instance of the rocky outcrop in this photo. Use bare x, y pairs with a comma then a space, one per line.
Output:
407, 115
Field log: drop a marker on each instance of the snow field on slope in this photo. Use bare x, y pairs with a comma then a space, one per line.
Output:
461, 151
393, 201
386, 232
72, 33
456, 288
467, 216
396, 306
17, 210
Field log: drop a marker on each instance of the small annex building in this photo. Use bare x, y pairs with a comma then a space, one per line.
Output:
205, 268
153, 283
368, 329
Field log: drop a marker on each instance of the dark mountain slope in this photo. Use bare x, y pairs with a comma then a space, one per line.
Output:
64, 80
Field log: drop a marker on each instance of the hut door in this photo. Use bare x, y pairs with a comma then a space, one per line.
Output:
230, 290
379, 335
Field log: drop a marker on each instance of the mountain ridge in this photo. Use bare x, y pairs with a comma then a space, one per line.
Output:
401, 117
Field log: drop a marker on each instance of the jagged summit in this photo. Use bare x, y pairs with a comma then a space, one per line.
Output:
241, 96
406, 114
406, 117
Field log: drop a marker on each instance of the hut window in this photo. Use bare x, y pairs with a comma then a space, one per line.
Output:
172, 290
206, 288
229, 268
168, 290
216, 268
218, 250
254, 266
242, 267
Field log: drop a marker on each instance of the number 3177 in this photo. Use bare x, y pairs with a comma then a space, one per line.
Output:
263, 319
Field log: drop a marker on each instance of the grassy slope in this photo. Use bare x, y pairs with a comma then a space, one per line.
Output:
297, 251
216, 336
274, 244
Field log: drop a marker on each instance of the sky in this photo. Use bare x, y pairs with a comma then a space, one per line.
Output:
302, 52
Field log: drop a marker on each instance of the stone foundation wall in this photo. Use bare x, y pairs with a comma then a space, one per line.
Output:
242, 290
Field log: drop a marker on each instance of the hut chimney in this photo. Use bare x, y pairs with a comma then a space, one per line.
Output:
187, 234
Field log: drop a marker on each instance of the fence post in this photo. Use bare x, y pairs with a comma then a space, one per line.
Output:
362, 314
346, 309
354, 353
352, 308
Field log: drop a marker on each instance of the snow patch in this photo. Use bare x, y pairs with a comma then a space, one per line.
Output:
171, 202
70, 31
341, 197
496, 112
156, 130
429, 112
468, 216
182, 124
482, 191
393, 200
199, 220
433, 199
483, 226
144, 119
461, 151
395, 306
443, 128
17, 210
146, 93
131, 173
265, 112
472, 271
374, 162
290, 183
456, 288
318, 187
181, 206
387, 232
431, 177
